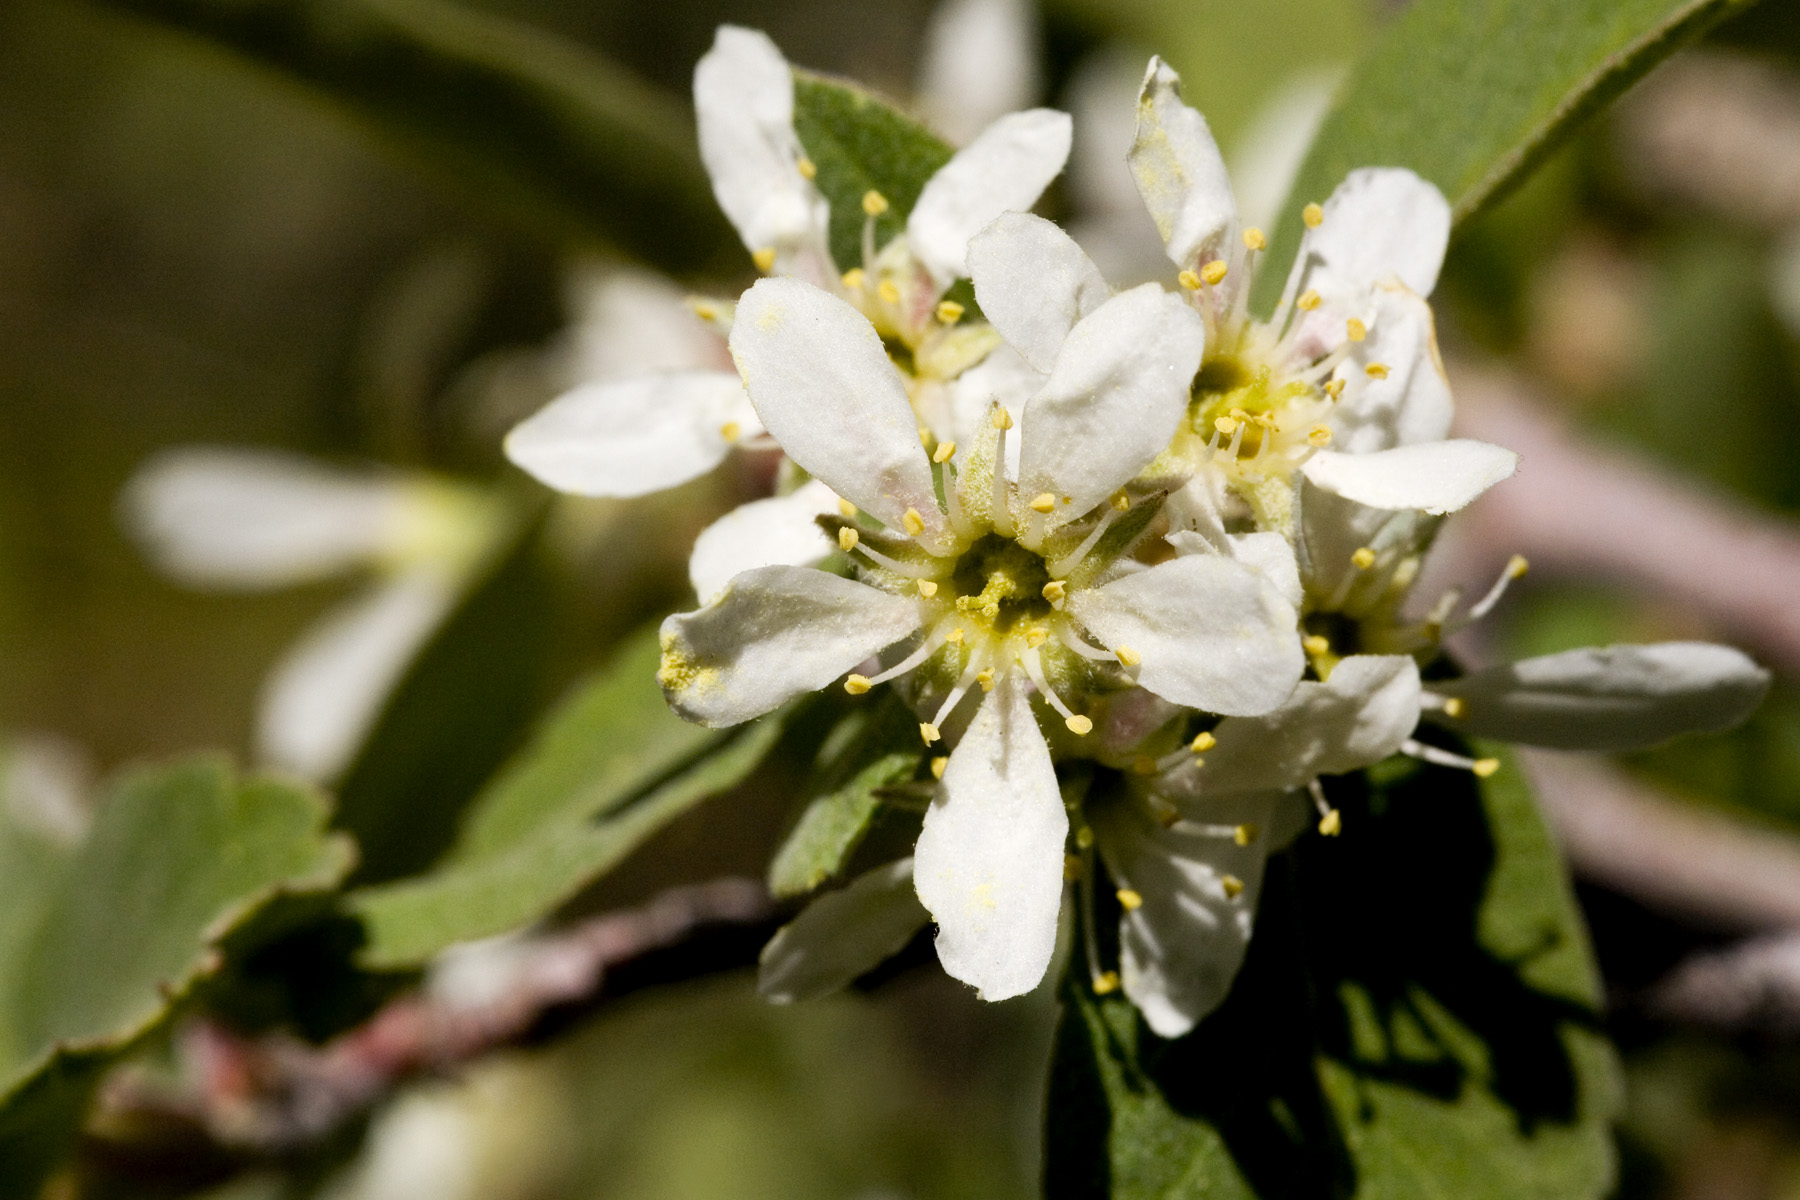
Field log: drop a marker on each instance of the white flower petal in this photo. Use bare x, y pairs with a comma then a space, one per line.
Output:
1411, 404
763, 533
775, 633
980, 63
324, 696
216, 517
1380, 223
1610, 697
823, 386
1212, 633
1181, 948
1438, 477
1333, 529
841, 936
629, 322
989, 862
1270, 554
1003, 170
1180, 172
1002, 378
634, 436
1033, 283
1113, 400
744, 99
1357, 717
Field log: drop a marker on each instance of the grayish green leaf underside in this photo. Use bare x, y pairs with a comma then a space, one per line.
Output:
100, 941
610, 767
1472, 94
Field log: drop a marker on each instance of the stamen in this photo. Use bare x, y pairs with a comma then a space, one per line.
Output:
1516, 566
938, 764
706, 310
1189, 280
927, 648
764, 258
903, 569
1062, 566
1309, 300
1320, 436
1066, 634
847, 539
1315, 645
874, 203
808, 168
1481, 767
927, 588
1214, 272
929, 732
1364, 558
1450, 706
1376, 370
847, 509
1232, 886
1128, 656
1203, 742
731, 431
856, 685
1036, 636
853, 279
889, 291
1034, 670
1001, 511
1055, 591
944, 453
949, 312
1121, 501
913, 522
1255, 240
1312, 215
1129, 900
1335, 389
1044, 502
1246, 833
1102, 981
1330, 822
985, 678
1355, 330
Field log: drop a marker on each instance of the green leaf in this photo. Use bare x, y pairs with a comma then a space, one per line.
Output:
1418, 1017
610, 767
872, 749
525, 122
861, 144
103, 939
1472, 94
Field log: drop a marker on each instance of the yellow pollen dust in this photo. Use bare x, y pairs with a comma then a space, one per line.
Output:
847, 539
950, 312
1320, 436
944, 453
913, 522
1454, 707
846, 508
1106, 982
874, 203
1084, 837
1246, 833
928, 731
853, 279
1036, 636
1516, 566
1079, 725
1234, 887
938, 764
1202, 743
1309, 300
1363, 559
955, 636
1331, 824
1313, 215
1254, 239
1355, 330
985, 678
1214, 272
1376, 370
1043, 503
1055, 590
1143, 764
1128, 656
731, 431
856, 685
1129, 900
889, 291
1002, 419
1315, 645
764, 258
1189, 280
808, 168
1485, 766
927, 588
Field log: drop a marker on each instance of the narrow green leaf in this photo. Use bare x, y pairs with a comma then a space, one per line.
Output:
861, 144
870, 750
1472, 94
610, 767
1418, 1018
523, 121
130, 921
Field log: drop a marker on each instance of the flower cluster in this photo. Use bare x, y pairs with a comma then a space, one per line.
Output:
1148, 529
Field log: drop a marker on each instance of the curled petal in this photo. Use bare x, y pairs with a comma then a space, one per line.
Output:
1610, 697
1212, 633
762, 533
775, 633
842, 935
1005, 169
1436, 477
634, 436
823, 386
1033, 283
989, 862
1180, 172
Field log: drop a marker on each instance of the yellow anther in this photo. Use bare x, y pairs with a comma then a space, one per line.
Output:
1055, 590
1127, 656
1202, 743
853, 279
1121, 501
1234, 887
1189, 280
1485, 766
1043, 503
1335, 388
1246, 833
985, 678
938, 764
1316, 645
874, 203
1225, 425
1363, 559
1071, 868
731, 431
808, 168
1214, 271
1084, 837
955, 636
1002, 419
950, 312
926, 437
846, 508
764, 258
929, 732
1313, 215
1455, 706
1143, 764
1516, 566
913, 522
1036, 636
1376, 370
1129, 900
1355, 330
927, 588
1079, 725
1254, 239
1309, 300
889, 291
1331, 824
856, 685
1106, 983
1320, 436
847, 539
944, 453
706, 310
